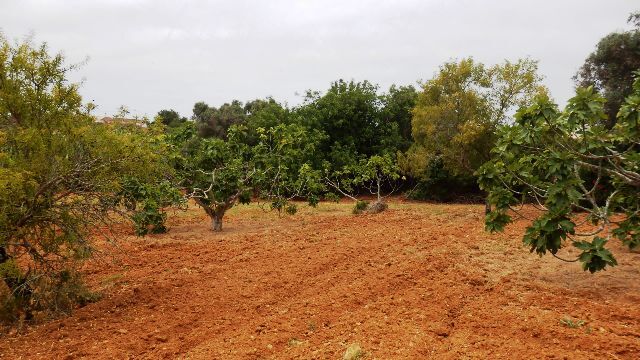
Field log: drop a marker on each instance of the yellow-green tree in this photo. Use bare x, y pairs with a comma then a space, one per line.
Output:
457, 112
60, 175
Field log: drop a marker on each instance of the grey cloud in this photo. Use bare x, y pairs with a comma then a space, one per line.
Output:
152, 55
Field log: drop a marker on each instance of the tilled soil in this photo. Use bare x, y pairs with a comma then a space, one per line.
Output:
418, 281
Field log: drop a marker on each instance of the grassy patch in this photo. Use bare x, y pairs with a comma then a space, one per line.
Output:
571, 323
111, 280
353, 352
293, 342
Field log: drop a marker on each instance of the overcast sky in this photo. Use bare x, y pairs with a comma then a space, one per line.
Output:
152, 54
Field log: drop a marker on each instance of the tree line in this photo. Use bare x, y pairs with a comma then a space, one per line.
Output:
472, 130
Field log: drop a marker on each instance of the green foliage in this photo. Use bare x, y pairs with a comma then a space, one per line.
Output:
571, 166
360, 206
212, 171
398, 104
212, 122
57, 293
456, 116
379, 175
437, 183
354, 120
595, 256
291, 209
451, 117
267, 114
146, 201
610, 68
170, 118
60, 174
268, 163
548, 232
573, 324
284, 153
374, 171
628, 231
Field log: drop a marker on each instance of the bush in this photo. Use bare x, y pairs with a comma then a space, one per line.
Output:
58, 292
146, 201
61, 174
438, 184
360, 206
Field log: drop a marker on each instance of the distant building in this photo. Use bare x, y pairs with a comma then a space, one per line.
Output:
121, 121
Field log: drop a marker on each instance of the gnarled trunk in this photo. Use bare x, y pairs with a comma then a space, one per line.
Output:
216, 216
216, 221
217, 210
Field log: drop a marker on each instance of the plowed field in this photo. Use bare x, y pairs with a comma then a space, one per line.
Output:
419, 281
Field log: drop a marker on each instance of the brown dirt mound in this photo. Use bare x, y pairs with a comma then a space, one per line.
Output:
427, 282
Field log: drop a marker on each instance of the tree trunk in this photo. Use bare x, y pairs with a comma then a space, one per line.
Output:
216, 222
216, 217
487, 206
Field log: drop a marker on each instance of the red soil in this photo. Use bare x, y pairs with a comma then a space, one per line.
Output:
418, 281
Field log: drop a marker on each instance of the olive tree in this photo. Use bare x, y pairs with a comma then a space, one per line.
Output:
583, 177
215, 122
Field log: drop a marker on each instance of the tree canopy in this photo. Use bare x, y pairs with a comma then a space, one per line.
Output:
215, 122
610, 67
582, 176
457, 112
170, 118
351, 116
61, 175
454, 122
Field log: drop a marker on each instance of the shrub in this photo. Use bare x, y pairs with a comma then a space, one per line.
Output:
360, 206
60, 176
438, 184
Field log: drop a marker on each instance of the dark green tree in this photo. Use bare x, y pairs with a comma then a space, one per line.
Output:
610, 67
170, 118
265, 114
201, 112
350, 115
212, 122
398, 104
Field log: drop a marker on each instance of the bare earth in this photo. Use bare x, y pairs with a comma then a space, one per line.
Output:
419, 281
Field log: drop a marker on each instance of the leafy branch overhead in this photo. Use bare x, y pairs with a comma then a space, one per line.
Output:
581, 175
